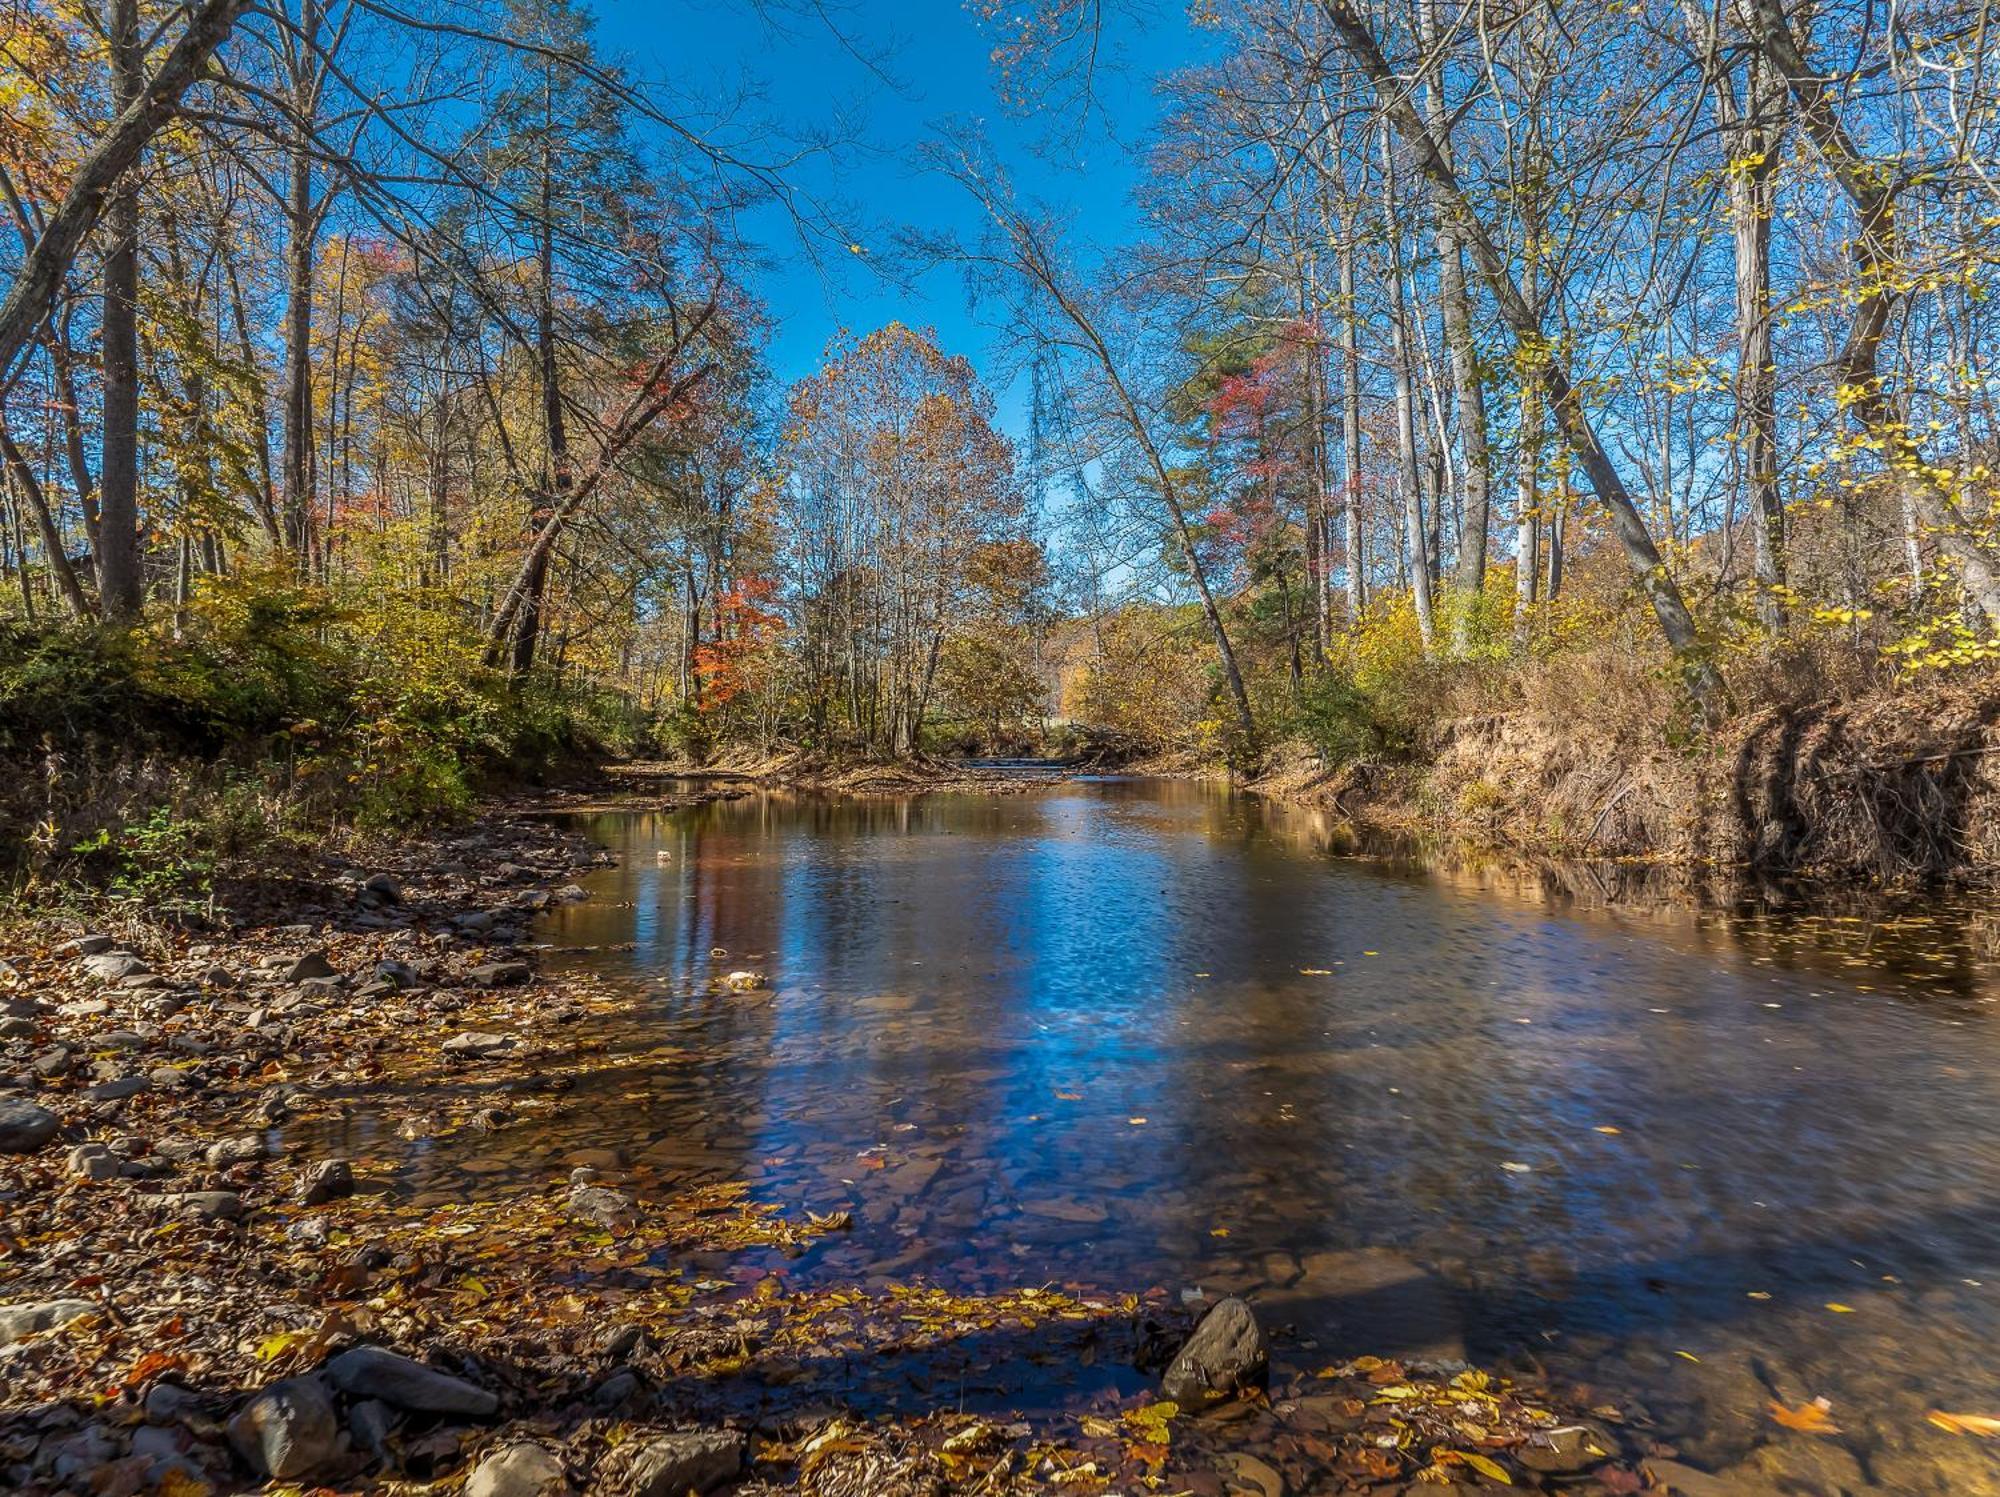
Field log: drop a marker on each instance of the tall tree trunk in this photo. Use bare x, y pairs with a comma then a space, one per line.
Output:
1402, 354
1476, 507
1526, 540
119, 584
301, 254
1350, 429
556, 479
1753, 126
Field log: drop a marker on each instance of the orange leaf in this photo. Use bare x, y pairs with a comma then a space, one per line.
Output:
1808, 1418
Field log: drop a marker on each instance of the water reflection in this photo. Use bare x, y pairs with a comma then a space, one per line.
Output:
1123, 1034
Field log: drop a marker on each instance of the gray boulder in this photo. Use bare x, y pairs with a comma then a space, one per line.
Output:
115, 966
287, 1429
698, 1460
372, 1372
1226, 1355
24, 1127
17, 1322
523, 1469
499, 974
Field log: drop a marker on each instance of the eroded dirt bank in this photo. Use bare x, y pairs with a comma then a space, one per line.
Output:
1890, 789
193, 1299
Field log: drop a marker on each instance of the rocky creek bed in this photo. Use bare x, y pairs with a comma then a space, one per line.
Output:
192, 1300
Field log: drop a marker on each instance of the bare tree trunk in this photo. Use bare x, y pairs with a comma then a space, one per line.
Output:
119, 584
557, 479
1350, 429
1526, 540
1406, 414
1457, 312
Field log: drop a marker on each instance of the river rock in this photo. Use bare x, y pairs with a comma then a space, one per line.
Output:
287, 1429
672, 1465
204, 1205
18, 1029
90, 945
119, 1089
499, 974
476, 1044
371, 1422
1226, 1355
382, 887
312, 964
91, 1162
601, 1207
1569, 1450
20, 1321
239, 1150
329, 1180
115, 966
374, 1372
24, 1127
523, 1469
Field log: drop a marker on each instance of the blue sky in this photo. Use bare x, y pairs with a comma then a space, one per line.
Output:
934, 54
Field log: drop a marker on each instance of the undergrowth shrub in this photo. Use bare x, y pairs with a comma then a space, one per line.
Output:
267, 708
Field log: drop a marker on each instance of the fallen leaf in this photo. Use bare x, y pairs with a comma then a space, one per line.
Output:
1983, 1425
1813, 1418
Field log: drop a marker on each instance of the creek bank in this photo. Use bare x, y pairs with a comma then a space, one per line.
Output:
194, 1300
1890, 789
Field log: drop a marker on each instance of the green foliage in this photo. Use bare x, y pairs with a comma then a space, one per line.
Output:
159, 855
1337, 718
142, 756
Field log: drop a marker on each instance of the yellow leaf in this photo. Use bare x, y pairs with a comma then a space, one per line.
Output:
1485, 1466
1838, 1308
1983, 1425
278, 1343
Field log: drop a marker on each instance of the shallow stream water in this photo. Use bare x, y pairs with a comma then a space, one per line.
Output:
1124, 1034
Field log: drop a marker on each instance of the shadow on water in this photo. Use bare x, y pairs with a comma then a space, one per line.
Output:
1124, 1035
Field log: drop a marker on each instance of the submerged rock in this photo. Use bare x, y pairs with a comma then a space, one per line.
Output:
601, 1207
287, 1429
1226, 1355
330, 1179
373, 1372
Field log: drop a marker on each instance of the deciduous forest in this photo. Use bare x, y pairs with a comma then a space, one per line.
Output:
388, 387
1557, 433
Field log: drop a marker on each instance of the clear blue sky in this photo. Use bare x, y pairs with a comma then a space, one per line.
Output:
934, 54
